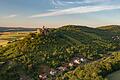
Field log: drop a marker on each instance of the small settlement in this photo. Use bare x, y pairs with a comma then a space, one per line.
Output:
45, 71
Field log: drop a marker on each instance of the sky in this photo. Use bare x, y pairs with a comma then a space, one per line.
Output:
55, 13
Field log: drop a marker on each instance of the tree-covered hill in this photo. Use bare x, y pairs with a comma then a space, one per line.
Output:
54, 49
112, 28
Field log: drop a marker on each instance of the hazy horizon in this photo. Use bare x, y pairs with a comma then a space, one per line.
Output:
55, 26
56, 13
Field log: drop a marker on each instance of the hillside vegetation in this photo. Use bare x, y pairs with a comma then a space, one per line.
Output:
96, 70
112, 28
24, 58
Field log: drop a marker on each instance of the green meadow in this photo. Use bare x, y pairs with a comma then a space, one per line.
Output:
114, 76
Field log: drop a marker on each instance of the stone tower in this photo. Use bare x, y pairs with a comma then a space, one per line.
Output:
42, 30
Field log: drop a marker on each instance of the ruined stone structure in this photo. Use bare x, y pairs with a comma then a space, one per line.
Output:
42, 31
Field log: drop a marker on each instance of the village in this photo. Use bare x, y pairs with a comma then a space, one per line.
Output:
76, 61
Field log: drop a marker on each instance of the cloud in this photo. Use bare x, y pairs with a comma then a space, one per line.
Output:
11, 16
94, 1
58, 3
77, 10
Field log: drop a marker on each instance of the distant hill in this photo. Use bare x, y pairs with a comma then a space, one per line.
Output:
112, 28
54, 49
14, 29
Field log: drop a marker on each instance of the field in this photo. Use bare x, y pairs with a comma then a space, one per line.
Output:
114, 76
6, 37
3, 42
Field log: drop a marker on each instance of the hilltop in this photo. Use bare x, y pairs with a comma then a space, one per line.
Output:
54, 49
112, 28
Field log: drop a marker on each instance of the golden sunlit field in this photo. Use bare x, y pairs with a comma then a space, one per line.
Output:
6, 37
3, 42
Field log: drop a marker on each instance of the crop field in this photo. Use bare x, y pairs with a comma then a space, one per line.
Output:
6, 37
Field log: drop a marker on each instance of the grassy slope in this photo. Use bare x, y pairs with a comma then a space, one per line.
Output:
114, 76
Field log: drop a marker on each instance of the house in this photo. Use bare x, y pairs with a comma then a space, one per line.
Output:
71, 64
44, 71
61, 68
32, 38
53, 72
77, 61
42, 77
82, 59
116, 37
